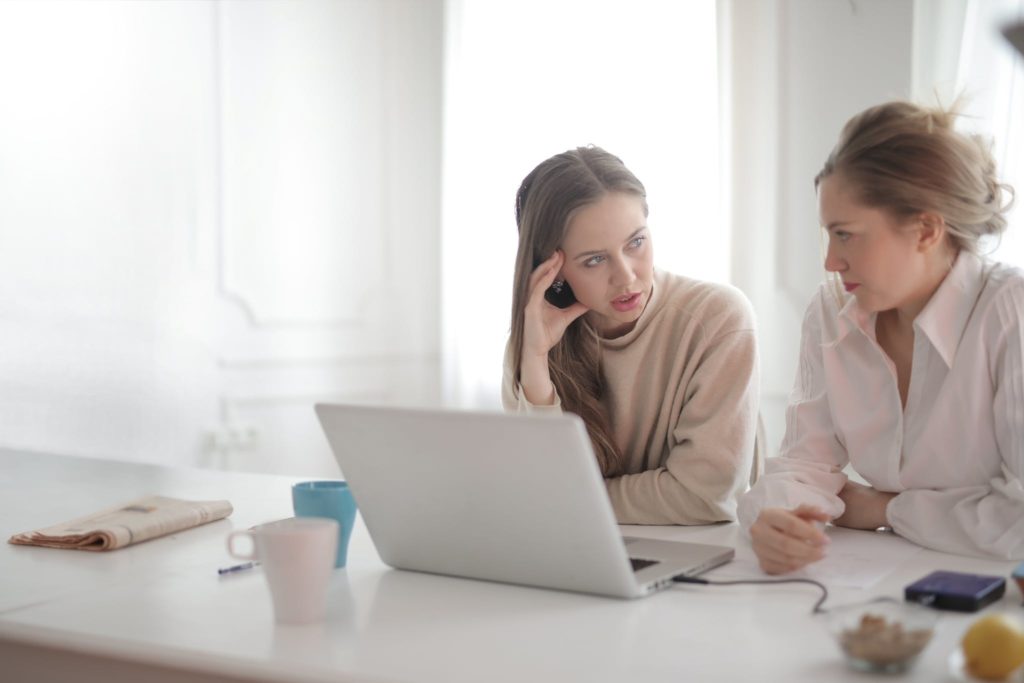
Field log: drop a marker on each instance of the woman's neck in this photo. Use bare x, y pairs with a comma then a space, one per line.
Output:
903, 316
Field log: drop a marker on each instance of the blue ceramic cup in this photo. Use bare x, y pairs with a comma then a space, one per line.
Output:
331, 499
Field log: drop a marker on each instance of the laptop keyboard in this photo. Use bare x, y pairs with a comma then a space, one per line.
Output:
639, 564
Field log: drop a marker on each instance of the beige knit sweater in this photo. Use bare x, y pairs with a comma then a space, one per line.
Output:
682, 397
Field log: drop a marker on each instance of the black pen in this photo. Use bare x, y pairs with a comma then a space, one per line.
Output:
237, 568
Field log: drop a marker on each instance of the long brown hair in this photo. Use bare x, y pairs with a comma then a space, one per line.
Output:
547, 200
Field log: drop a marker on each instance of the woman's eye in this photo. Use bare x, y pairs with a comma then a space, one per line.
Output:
637, 242
593, 261
841, 235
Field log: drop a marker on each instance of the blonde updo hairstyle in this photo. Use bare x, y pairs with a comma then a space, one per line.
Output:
907, 159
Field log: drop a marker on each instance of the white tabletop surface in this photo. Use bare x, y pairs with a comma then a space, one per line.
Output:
162, 604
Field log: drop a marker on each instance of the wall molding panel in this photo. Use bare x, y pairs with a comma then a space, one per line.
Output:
215, 214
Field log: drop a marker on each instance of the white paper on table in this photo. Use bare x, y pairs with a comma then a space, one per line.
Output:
854, 559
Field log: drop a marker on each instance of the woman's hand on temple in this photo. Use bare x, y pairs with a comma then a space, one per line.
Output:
786, 540
546, 323
543, 327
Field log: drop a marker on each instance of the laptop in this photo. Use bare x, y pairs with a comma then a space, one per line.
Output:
510, 498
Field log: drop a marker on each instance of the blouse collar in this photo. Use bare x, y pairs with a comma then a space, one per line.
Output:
946, 314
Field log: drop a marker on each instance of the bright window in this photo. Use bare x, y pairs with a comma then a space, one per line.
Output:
991, 78
530, 79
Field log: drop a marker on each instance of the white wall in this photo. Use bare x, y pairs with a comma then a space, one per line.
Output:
799, 70
329, 274
214, 214
530, 79
103, 154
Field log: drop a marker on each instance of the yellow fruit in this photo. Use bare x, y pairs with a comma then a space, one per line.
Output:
993, 646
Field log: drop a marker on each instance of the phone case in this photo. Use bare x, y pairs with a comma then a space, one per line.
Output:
956, 591
560, 295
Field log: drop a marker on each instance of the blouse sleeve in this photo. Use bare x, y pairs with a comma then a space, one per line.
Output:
985, 519
709, 466
512, 399
808, 469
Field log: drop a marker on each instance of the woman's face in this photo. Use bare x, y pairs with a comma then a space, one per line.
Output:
609, 261
881, 261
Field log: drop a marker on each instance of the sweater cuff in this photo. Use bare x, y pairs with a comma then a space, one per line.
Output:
524, 406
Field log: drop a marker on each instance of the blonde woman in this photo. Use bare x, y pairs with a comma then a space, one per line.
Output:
913, 372
661, 368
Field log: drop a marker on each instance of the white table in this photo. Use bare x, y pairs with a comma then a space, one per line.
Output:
159, 612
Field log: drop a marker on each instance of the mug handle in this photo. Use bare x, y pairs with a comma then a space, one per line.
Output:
231, 545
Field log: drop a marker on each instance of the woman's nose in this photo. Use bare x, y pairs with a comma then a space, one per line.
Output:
622, 273
833, 263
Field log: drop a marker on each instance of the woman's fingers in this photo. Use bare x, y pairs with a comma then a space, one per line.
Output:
811, 512
544, 274
774, 562
773, 559
572, 312
785, 541
793, 542
804, 523
545, 323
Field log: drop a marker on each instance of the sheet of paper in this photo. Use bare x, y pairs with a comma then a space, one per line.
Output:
855, 559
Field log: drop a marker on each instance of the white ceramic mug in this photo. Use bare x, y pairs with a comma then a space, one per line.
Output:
297, 557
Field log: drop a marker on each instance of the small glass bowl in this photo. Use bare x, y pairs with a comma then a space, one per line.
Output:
882, 637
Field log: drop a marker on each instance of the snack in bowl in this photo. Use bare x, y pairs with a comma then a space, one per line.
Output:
882, 637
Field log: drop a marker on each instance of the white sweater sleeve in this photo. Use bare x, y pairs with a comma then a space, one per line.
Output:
809, 466
981, 520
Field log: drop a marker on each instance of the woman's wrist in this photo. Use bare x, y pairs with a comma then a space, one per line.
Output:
535, 381
881, 505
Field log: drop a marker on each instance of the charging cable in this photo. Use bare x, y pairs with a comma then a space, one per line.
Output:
817, 609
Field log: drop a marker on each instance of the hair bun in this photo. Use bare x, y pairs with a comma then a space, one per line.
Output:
907, 159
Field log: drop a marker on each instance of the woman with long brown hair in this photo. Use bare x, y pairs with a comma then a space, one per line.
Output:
661, 368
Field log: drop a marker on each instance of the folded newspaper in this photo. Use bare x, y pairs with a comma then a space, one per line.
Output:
134, 522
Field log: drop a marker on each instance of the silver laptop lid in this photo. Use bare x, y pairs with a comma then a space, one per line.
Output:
509, 498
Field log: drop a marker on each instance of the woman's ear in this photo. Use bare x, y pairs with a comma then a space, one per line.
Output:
932, 230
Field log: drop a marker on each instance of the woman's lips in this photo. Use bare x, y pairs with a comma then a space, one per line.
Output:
850, 286
626, 303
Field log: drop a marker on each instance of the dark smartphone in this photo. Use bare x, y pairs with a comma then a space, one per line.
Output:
956, 591
560, 294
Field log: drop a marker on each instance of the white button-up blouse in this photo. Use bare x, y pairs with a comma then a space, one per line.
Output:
955, 454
